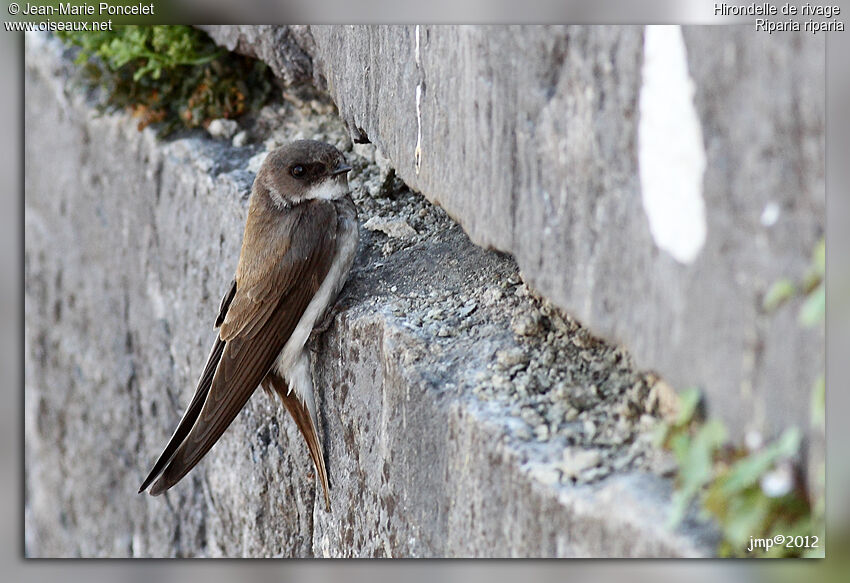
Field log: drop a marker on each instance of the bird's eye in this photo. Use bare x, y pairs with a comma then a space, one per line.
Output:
298, 171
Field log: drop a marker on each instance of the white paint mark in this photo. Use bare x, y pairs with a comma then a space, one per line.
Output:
670, 147
770, 214
155, 295
417, 153
416, 34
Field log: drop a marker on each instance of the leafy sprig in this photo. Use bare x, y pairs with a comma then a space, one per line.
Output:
170, 74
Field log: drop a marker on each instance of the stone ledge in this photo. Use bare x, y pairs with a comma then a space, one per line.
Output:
129, 242
528, 137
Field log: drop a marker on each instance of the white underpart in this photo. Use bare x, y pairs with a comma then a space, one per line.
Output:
293, 362
670, 147
328, 189
300, 379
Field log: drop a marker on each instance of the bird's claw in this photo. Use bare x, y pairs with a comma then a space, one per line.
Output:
325, 323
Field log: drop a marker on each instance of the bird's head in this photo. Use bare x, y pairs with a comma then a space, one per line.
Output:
303, 170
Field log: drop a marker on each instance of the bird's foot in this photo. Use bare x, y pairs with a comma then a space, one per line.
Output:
325, 323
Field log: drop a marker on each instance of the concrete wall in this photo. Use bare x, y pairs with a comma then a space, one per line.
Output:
461, 415
653, 182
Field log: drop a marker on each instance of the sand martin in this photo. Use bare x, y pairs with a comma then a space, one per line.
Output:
300, 240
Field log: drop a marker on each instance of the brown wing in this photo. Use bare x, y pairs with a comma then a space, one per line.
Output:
194, 408
260, 318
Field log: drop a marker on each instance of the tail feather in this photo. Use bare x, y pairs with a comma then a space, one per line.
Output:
306, 424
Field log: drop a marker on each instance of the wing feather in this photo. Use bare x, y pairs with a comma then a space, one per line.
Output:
259, 320
189, 416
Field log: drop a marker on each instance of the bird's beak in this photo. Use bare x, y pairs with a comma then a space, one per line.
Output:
341, 169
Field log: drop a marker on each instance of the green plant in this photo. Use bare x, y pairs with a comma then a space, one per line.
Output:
811, 288
170, 74
758, 493
748, 493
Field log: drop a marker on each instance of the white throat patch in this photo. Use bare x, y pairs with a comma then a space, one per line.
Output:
328, 189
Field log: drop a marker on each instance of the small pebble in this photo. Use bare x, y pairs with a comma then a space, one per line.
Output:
240, 139
541, 432
434, 314
577, 460
583, 398
222, 128
492, 295
394, 228
467, 309
523, 433
512, 356
546, 475
482, 376
525, 323
502, 383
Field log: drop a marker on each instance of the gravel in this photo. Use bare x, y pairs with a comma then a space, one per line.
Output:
589, 411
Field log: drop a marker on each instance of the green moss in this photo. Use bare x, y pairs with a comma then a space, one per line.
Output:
170, 74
